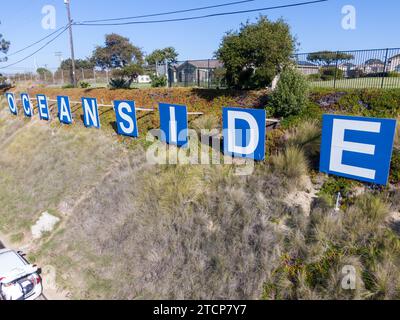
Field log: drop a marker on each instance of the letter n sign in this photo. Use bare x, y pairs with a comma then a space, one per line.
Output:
174, 124
244, 132
357, 148
90, 113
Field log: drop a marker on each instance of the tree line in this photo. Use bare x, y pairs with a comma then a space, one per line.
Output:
252, 56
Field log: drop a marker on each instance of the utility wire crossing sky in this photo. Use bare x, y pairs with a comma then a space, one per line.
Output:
317, 25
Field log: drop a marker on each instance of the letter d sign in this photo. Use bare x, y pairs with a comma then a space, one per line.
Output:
244, 132
357, 148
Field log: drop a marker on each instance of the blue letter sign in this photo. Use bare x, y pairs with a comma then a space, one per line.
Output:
126, 118
174, 124
244, 132
357, 148
43, 107
90, 113
11, 103
64, 110
26, 103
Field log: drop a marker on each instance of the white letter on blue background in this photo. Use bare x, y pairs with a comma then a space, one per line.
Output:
43, 107
357, 147
90, 113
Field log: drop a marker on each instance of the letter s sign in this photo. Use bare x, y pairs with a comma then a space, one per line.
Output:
357, 147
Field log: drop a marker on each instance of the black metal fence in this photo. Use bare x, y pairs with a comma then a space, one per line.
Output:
378, 68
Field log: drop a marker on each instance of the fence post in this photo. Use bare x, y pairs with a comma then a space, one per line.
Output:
83, 74
384, 68
336, 69
208, 74
94, 76
186, 75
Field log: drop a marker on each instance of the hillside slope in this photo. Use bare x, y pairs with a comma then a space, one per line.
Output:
131, 230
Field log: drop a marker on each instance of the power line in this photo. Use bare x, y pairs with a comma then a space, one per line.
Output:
41, 48
171, 12
35, 43
203, 16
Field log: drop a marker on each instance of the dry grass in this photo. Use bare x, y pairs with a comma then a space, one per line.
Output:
167, 233
135, 231
43, 166
292, 164
312, 262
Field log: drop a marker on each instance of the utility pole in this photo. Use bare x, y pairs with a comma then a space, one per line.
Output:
71, 41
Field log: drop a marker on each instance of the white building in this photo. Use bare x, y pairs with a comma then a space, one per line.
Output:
394, 63
144, 79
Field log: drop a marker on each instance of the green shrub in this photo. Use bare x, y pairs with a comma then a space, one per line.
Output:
333, 185
291, 95
329, 73
314, 77
68, 86
158, 81
84, 84
395, 167
363, 102
393, 74
120, 83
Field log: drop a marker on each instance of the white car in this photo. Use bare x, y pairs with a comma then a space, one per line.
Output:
19, 280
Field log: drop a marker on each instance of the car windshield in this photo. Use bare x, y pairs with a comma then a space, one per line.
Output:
10, 261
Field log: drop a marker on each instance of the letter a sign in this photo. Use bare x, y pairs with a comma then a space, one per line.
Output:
357, 148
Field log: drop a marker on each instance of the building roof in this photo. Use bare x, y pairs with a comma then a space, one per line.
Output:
204, 64
306, 64
397, 56
348, 64
374, 61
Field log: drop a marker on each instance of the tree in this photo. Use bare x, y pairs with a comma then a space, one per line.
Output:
328, 57
256, 53
4, 47
79, 64
160, 55
44, 73
127, 74
117, 52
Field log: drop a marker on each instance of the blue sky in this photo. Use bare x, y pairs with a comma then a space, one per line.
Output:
316, 27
